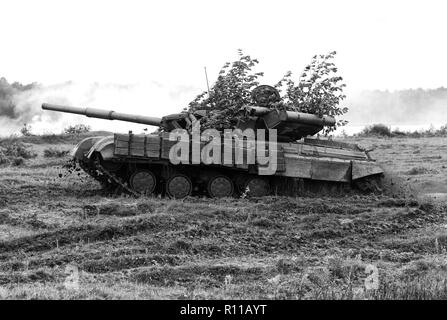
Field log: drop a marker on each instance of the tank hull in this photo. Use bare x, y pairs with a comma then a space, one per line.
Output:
133, 161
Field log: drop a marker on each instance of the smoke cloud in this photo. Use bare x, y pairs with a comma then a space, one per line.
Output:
413, 107
20, 104
8, 100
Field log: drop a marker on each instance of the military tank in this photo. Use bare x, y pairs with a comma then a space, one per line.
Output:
146, 163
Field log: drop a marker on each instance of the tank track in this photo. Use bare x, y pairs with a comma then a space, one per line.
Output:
115, 181
240, 185
107, 179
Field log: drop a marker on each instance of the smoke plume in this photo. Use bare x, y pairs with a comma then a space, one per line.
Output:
20, 104
421, 107
9, 107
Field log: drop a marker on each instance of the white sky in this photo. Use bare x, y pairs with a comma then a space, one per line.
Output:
166, 44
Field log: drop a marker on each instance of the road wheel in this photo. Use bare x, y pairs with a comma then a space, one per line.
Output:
257, 187
143, 182
220, 186
178, 186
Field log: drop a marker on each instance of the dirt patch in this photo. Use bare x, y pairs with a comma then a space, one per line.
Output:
204, 275
420, 170
28, 276
107, 264
87, 233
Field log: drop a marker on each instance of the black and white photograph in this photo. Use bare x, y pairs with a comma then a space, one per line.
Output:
234, 152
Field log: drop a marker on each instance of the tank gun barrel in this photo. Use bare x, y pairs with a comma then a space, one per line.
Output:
289, 116
306, 118
103, 114
255, 111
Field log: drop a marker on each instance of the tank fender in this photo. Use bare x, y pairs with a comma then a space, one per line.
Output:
361, 169
82, 148
105, 146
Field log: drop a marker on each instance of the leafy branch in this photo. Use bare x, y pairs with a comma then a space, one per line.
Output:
318, 91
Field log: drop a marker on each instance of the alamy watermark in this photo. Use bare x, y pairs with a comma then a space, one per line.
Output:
372, 278
234, 147
72, 277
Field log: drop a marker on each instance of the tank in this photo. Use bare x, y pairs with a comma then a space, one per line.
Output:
157, 164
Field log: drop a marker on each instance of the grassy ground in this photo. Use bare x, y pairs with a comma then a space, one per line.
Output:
64, 238
419, 161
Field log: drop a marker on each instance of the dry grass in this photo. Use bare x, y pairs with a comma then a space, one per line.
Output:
420, 161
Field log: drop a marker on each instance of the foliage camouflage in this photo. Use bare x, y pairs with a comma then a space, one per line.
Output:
230, 92
318, 91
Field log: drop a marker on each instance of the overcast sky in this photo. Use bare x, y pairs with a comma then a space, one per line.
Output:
166, 44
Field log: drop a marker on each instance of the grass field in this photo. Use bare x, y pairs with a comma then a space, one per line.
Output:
65, 238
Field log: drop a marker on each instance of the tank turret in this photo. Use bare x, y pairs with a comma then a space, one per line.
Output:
290, 125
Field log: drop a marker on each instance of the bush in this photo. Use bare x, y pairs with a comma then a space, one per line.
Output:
3, 158
55, 153
382, 130
26, 130
77, 129
18, 161
442, 131
18, 150
398, 133
376, 130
